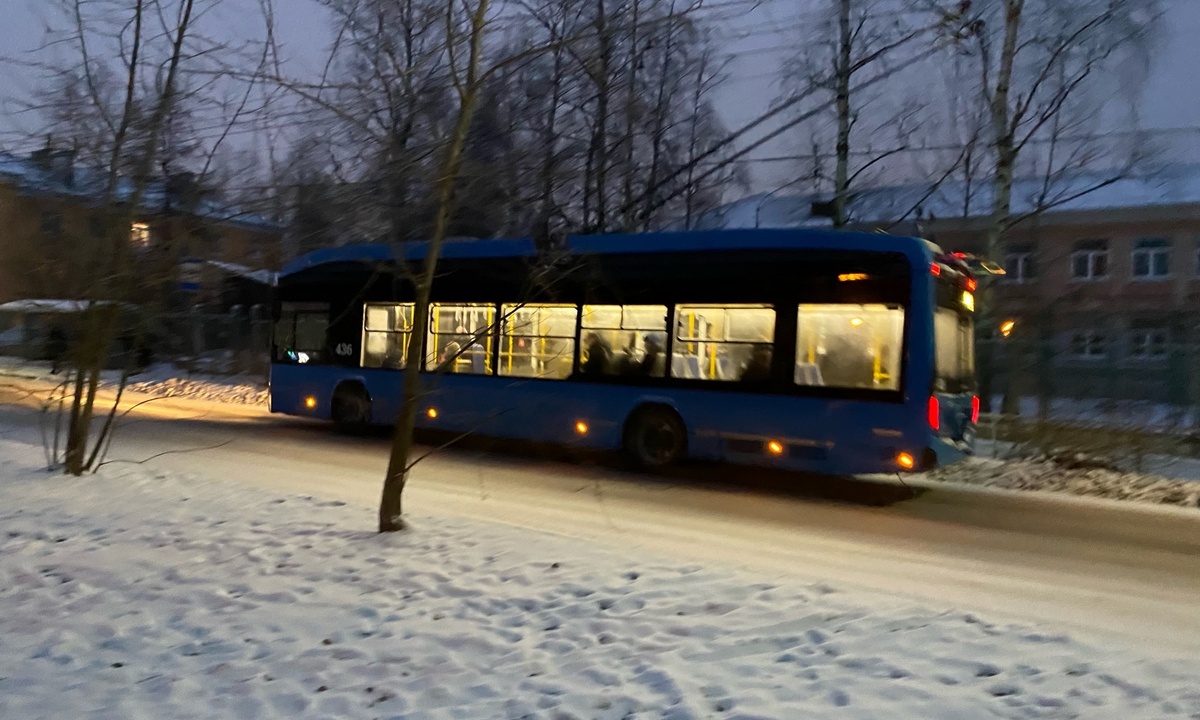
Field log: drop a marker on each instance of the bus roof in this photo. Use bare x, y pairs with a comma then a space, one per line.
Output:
658, 242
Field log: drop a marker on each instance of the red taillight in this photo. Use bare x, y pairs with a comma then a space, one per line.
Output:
935, 269
971, 284
975, 409
935, 414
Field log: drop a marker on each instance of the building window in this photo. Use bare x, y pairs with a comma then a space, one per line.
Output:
538, 341
639, 331
1089, 261
1089, 345
387, 330
1018, 267
1151, 260
1148, 343
139, 236
51, 224
850, 346
723, 342
460, 338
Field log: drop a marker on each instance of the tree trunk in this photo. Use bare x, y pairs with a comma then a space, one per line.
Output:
841, 181
391, 503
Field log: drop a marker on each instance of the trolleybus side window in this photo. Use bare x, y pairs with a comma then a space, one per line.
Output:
849, 346
723, 342
460, 338
537, 341
623, 340
387, 330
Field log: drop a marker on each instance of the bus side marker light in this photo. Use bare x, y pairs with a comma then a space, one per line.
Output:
581, 428
775, 448
310, 402
431, 413
906, 461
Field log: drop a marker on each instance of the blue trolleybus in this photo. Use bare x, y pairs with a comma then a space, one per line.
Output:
828, 352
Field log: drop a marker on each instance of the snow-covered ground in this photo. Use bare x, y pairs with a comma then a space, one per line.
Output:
142, 593
162, 380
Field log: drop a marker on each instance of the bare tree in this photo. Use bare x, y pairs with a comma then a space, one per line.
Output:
1041, 65
125, 101
857, 40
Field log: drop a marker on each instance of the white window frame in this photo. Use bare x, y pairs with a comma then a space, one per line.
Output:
1091, 275
1024, 264
1090, 338
1150, 253
1142, 342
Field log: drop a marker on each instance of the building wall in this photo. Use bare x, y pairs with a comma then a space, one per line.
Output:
1117, 336
37, 261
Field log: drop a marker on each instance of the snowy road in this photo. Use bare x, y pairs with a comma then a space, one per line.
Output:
1126, 575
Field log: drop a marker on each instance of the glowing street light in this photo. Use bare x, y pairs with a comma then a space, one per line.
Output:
1007, 327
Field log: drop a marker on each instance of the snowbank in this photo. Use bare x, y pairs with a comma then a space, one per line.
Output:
1052, 477
161, 380
138, 594
169, 381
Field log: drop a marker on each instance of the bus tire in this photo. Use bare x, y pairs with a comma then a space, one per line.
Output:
655, 438
350, 408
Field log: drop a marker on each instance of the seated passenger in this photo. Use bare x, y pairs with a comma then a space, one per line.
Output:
599, 355
758, 367
654, 362
449, 357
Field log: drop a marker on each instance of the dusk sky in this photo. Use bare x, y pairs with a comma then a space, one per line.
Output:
1171, 98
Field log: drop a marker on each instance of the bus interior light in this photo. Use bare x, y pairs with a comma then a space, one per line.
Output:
581, 428
906, 461
856, 322
310, 402
775, 448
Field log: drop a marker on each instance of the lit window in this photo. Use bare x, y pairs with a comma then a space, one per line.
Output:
1089, 261
538, 341
139, 235
1018, 267
460, 338
724, 342
1089, 345
623, 340
1151, 260
849, 346
1148, 343
387, 329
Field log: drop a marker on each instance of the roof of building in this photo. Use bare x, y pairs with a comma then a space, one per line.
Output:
1166, 186
264, 277
32, 177
692, 241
